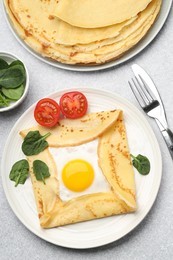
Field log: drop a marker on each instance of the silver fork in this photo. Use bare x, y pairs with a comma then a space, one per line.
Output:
152, 108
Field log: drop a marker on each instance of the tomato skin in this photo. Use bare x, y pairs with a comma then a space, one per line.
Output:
73, 104
47, 112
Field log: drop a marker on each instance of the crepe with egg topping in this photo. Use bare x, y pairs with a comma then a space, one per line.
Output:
114, 161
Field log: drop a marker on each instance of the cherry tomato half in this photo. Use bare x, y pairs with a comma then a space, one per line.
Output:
47, 112
73, 104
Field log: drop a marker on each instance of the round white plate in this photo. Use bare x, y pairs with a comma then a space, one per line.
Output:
96, 232
166, 6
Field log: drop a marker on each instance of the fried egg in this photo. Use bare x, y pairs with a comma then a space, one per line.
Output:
77, 175
78, 171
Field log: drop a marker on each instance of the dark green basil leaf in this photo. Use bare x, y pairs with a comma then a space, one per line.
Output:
12, 77
19, 172
41, 170
3, 64
141, 163
13, 93
34, 143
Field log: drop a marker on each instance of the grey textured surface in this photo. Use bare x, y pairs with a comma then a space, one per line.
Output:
153, 238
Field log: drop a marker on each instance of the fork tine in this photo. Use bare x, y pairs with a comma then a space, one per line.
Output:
137, 94
142, 91
146, 88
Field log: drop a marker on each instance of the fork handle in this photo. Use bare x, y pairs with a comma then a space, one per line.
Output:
168, 136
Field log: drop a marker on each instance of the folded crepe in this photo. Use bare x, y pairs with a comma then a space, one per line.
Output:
56, 39
98, 13
114, 161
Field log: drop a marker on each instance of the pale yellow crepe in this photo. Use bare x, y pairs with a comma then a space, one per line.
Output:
34, 17
110, 52
114, 160
74, 132
45, 28
132, 28
98, 13
70, 35
38, 29
114, 157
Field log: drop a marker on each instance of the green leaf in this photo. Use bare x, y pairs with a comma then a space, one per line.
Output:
17, 62
141, 163
4, 102
2, 72
13, 94
19, 172
12, 77
41, 170
34, 143
3, 64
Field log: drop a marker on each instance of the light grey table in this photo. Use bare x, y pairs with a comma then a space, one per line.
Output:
153, 238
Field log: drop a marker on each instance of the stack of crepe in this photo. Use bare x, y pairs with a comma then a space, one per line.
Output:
82, 31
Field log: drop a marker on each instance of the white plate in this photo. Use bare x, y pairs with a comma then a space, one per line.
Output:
166, 6
96, 232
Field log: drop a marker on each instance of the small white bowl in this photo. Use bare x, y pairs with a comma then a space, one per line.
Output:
9, 57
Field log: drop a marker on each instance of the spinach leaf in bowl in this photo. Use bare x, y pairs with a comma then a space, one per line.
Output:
12, 77
4, 102
17, 62
13, 94
3, 64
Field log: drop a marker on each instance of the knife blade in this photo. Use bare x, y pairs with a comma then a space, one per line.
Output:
162, 121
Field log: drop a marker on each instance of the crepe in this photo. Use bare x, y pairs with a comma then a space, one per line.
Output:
49, 36
53, 211
114, 158
114, 51
69, 35
47, 30
98, 13
75, 132
126, 32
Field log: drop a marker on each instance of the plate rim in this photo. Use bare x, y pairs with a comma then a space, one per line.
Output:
127, 56
129, 229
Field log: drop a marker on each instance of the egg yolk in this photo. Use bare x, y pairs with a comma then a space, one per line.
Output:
77, 175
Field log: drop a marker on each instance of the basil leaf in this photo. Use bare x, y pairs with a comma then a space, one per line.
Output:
3, 64
141, 163
41, 170
12, 77
19, 172
13, 94
4, 102
34, 143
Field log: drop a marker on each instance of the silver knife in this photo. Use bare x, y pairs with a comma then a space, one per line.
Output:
161, 120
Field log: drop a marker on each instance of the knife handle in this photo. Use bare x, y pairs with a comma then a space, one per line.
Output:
168, 136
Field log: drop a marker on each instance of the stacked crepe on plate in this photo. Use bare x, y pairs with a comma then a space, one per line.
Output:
82, 32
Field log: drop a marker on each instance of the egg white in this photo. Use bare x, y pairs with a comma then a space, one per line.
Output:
87, 152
